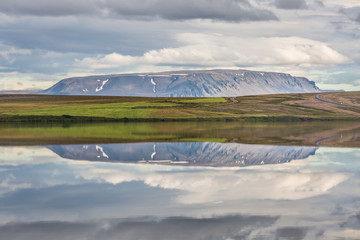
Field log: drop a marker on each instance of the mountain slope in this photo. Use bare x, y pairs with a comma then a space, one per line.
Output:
202, 83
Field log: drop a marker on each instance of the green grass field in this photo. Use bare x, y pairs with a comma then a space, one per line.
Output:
280, 107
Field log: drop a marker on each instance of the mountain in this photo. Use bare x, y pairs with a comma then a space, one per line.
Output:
185, 153
201, 83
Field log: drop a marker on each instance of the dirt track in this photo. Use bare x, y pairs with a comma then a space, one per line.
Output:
332, 102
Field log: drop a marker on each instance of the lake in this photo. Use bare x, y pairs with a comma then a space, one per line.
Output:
180, 180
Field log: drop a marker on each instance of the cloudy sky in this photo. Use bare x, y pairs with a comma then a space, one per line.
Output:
43, 41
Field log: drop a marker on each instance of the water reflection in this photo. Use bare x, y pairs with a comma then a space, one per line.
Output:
229, 227
337, 134
135, 182
46, 196
189, 153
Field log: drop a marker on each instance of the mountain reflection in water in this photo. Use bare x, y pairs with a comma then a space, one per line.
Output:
185, 153
160, 181
44, 196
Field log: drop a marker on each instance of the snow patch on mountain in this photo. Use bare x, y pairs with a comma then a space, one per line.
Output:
102, 86
154, 153
101, 150
153, 83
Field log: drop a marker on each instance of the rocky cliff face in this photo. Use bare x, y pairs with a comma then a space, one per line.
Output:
189, 153
206, 83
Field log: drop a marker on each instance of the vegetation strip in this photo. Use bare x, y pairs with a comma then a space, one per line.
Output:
334, 133
279, 107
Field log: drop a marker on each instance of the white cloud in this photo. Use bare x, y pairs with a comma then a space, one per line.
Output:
9, 53
287, 181
10, 80
9, 184
343, 3
215, 50
15, 156
108, 61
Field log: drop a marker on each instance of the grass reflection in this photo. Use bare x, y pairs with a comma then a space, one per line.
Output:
340, 134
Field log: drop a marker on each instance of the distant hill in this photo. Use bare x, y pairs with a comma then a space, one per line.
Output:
200, 83
20, 91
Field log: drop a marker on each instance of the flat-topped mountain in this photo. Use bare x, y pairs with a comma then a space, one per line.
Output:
200, 83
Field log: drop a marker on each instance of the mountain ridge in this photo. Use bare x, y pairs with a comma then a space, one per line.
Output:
184, 83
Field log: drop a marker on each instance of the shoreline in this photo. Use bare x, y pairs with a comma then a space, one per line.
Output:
84, 119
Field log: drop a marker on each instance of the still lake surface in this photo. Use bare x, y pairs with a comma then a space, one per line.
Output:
215, 180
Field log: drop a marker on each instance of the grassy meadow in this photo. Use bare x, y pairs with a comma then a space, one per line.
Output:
279, 107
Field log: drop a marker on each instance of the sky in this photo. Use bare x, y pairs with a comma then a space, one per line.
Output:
44, 41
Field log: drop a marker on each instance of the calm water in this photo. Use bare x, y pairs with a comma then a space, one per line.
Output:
93, 189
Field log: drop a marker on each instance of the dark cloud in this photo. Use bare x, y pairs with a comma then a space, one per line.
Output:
358, 19
291, 4
225, 10
99, 36
352, 13
319, 3
85, 199
47, 8
45, 230
353, 222
227, 227
346, 75
56, 42
292, 233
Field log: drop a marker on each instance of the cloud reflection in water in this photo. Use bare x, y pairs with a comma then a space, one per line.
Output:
317, 196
